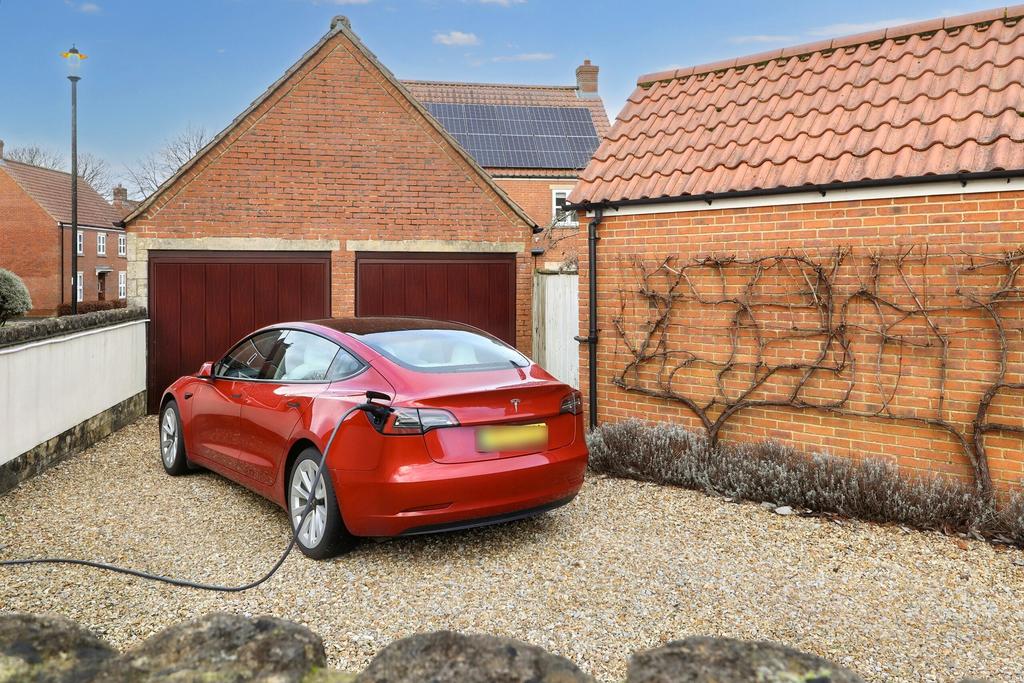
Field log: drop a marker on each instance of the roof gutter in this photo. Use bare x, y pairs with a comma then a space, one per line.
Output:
823, 189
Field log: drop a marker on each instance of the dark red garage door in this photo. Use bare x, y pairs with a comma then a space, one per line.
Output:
478, 289
200, 303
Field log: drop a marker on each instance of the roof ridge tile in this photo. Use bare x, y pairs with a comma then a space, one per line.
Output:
951, 23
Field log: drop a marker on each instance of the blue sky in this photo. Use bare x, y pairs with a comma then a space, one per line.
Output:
156, 66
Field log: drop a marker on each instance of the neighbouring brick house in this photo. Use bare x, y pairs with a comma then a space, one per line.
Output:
334, 193
36, 239
822, 245
533, 139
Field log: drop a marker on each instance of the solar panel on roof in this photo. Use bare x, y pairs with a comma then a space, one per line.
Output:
507, 136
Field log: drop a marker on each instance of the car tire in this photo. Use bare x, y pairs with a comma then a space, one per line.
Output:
323, 534
172, 441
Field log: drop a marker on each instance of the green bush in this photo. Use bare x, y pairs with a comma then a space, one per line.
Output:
14, 297
92, 306
872, 490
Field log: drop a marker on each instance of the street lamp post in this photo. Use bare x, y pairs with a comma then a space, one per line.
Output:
74, 58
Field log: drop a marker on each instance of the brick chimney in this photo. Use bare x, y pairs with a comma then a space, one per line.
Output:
586, 79
120, 193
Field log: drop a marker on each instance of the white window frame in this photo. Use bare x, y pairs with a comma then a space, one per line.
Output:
101, 244
570, 219
79, 286
122, 284
122, 245
80, 243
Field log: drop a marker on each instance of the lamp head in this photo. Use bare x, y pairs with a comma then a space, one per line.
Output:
74, 60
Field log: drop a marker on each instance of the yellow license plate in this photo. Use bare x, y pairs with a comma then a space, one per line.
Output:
516, 438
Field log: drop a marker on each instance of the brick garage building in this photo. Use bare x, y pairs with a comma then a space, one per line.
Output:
533, 139
334, 193
36, 240
822, 245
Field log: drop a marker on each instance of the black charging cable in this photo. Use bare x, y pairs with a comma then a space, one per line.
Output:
377, 410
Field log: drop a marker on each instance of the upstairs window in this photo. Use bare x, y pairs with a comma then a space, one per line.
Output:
80, 243
101, 244
562, 218
122, 245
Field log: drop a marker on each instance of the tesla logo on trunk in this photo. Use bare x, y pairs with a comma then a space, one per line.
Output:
515, 404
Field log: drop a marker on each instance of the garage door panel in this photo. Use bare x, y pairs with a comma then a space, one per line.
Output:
242, 310
217, 305
193, 315
200, 303
478, 289
314, 292
265, 294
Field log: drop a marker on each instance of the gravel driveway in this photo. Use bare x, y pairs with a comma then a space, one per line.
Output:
626, 566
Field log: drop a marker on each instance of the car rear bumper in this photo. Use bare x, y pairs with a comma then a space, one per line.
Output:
428, 496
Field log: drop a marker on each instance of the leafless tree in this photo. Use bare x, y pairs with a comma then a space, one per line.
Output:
96, 172
37, 156
91, 168
149, 172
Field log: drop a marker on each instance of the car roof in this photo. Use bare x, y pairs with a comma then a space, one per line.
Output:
371, 325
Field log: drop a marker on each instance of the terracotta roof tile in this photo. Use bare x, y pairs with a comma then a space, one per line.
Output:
52, 191
932, 98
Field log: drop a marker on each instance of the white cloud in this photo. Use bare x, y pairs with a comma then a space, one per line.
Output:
524, 57
456, 38
503, 3
761, 38
341, 2
849, 28
84, 7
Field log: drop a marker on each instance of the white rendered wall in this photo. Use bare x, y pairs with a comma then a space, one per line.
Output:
50, 385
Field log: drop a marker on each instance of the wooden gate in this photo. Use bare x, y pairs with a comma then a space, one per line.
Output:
556, 315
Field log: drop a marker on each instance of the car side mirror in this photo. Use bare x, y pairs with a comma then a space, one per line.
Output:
205, 370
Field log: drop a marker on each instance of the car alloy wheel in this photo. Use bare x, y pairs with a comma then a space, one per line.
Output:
172, 443
169, 436
315, 524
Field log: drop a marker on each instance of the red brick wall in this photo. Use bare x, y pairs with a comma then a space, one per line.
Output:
28, 245
948, 226
337, 153
561, 244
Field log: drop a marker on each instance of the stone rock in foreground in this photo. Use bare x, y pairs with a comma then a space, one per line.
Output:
225, 648
48, 649
723, 660
446, 657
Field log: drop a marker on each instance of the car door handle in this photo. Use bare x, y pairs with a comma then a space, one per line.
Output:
293, 404
236, 396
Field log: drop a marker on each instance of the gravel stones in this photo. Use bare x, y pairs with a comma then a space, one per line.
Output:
446, 657
724, 660
626, 567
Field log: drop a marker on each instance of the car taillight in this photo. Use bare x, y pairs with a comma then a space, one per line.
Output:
417, 420
573, 403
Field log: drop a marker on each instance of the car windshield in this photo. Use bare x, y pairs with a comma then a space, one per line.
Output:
444, 350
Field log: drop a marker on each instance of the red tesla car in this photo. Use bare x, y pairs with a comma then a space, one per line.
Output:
477, 433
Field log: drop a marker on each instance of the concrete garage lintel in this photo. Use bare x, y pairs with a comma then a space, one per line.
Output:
444, 246
139, 248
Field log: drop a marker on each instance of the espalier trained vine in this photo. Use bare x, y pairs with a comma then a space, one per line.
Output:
904, 336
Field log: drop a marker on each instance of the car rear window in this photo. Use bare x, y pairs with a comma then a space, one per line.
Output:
444, 350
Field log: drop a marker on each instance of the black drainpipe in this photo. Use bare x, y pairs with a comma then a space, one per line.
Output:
591, 338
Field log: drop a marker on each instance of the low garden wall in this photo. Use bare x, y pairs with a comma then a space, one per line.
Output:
226, 647
65, 383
